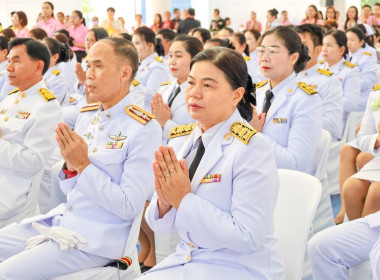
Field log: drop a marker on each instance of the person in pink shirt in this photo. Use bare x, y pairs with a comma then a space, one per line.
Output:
312, 16
78, 31
48, 23
366, 17
168, 23
284, 19
376, 14
253, 23
19, 22
157, 23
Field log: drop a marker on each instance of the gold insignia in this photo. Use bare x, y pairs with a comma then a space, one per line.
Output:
90, 107
56, 72
13, 91
325, 72
367, 53
117, 137
227, 136
247, 58
135, 82
46, 94
290, 90
158, 59
261, 84
306, 88
165, 83
376, 87
181, 130
349, 64
321, 61
242, 132
138, 114
114, 145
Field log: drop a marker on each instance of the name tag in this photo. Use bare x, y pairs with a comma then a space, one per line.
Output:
114, 145
280, 120
211, 178
22, 115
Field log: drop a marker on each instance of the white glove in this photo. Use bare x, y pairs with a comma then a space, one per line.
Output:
66, 238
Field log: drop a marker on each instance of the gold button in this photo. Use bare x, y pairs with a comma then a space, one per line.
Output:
227, 136
94, 150
6, 119
188, 258
108, 114
23, 94
290, 90
191, 244
16, 101
101, 127
70, 208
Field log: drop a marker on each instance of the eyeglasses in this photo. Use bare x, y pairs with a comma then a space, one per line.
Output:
272, 51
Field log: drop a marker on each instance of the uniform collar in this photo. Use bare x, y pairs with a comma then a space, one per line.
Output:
208, 135
146, 61
115, 110
283, 84
33, 89
336, 68
3, 65
309, 72
356, 55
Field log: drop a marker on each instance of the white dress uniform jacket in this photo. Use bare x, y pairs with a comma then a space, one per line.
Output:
349, 75
330, 91
27, 123
178, 109
293, 123
56, 82
151, 73
225, 224
68, 70
367, 63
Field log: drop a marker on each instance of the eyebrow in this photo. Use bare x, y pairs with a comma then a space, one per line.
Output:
205, 79
94, 61
15, 56
177, 52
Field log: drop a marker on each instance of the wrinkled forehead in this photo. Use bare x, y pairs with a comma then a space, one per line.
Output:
100, 51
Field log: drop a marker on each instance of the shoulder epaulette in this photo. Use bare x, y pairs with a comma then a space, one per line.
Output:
166, 83
325, 72
306, 88
56, 72
14, 91
321, 61
135, 82
247, 58
46, 94
139, 114
349, 64
376, 87
90, 107
261, 84
158, 59
242, 132
181, 130
367, 53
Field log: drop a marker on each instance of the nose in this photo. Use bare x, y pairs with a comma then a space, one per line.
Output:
90, 74
10, 67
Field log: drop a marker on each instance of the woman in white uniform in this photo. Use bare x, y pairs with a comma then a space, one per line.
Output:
252, 37
217, 185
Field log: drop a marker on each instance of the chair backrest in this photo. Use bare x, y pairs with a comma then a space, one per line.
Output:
322, 154
297, 202
352, 121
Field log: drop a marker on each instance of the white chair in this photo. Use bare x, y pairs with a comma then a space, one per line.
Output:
297, 202
322, 155
361, 271
112, 273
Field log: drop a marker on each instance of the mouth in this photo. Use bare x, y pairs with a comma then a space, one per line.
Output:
91, 88
173, 69
265, 68
194, 106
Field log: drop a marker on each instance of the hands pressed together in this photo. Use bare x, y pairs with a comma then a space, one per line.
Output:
160, 109
257, 121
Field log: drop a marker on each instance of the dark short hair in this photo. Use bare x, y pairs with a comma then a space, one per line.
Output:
111, 9
192, 45
38, 33
4, 40
256, 33
359, 33
51, 6
80, 15
191, 11
228, 29
366, 6
175, 10
22, 18
126, 36
100, 33
56, 47
166, 33
149, 36
8, 32
35, 50
273, 12
315, 32
217, 10
220, 42
340, 38
125, 49
205, 34
241, 38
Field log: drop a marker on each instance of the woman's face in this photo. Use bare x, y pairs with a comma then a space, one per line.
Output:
236, 44
209, 96
90, 40
311, 12
142, 47
75, 19
156, 19
47, 11
353, 42
376, 10
330, 14
331, 52
179, 61
15, 20
251, 41
274, 59
269, 17
351, 13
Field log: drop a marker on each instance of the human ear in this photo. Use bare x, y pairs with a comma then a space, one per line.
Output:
238, 95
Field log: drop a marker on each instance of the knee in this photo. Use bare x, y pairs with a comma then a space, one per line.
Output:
348, 153
362, 159
353, 190
321, 245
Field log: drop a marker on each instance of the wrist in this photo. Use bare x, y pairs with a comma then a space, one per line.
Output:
81, 167
68, 173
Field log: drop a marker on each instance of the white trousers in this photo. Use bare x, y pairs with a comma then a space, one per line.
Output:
41, 262
335, 250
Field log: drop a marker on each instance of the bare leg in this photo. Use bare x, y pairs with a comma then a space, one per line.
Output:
362, 159
354, 194
150, 260
372, 201
143, 238
347, 168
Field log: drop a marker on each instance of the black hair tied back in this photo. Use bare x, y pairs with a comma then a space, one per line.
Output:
249, 98
302, 60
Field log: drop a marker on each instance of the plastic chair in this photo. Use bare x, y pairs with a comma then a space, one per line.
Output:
297, 202
322, 154
109, 272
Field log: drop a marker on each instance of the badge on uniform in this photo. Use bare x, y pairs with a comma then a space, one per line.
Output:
3, 111
114, 145
280, 120
211, 178
22, 115
117, 137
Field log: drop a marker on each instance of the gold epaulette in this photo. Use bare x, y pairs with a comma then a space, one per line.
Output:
321, 61
158, 59
247, 58
90, 107
325, 72
14, 91
181, 130
367, 53
46, 94
139, 114
242, 132
165, 83
261, 84
56, 72
306, 88
376, 87
349, 64
135, 82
